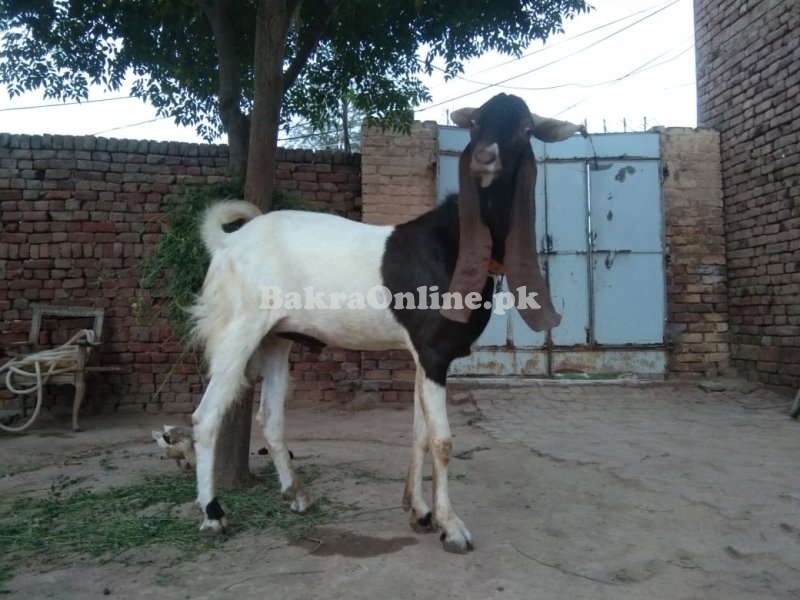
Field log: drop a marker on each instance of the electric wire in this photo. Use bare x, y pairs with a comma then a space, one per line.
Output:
640, 69
130, 125
76, 102
657, 9
551, 63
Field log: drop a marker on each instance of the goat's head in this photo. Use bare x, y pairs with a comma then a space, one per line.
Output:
497, 172
500, 133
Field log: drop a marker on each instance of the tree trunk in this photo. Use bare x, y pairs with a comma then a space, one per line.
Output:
232, 467
272, 26
235, 123
345, 125
238, 144
252, 147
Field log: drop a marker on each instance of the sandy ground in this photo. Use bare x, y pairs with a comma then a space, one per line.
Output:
570, 491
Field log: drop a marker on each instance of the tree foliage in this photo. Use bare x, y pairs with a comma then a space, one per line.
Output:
374, 51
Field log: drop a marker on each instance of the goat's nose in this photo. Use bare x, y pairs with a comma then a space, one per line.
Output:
488, 154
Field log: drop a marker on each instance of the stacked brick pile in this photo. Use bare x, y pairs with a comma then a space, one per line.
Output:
748, 88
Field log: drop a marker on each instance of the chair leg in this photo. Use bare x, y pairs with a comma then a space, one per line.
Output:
80, 391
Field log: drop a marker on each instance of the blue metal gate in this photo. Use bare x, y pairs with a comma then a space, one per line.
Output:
601, 241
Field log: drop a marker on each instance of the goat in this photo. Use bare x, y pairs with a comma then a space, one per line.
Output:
326, 256
177, 443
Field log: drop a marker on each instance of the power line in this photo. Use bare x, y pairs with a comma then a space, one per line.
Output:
551, 63
566, 41
130, 125
641, 68
304, 136
601, 83
65, 103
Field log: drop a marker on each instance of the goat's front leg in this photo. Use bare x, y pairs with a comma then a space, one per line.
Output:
419, 515
274, 386
455, 537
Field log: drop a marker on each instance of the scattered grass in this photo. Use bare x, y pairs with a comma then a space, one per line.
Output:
73, 522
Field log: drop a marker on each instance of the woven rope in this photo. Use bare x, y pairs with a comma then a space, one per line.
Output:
38, 367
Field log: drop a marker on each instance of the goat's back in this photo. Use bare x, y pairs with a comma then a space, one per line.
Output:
296, 252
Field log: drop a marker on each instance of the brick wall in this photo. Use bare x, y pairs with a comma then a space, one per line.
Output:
79, 213
697, 307
398, 173
748, 68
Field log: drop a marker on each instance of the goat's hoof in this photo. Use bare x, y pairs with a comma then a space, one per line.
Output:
214, 526
423, 524
457, 544
301, 503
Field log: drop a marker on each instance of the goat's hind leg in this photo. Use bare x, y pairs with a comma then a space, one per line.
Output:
227, 374
207, 420
274, 387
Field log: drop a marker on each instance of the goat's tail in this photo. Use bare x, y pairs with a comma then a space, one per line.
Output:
221, 213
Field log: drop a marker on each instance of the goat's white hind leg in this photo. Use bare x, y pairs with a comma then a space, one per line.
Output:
207, 420
455, 536
419, 515
274, 386
227, 373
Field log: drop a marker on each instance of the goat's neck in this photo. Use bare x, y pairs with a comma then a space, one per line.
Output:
496, 213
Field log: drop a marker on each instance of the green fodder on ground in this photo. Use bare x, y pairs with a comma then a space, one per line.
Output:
70, 523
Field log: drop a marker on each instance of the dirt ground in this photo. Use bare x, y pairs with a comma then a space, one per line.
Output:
570, 491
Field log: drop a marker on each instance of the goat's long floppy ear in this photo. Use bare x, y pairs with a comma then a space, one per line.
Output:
474, 242
521, 260
553, 130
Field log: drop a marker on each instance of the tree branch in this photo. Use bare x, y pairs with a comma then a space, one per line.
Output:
322, 16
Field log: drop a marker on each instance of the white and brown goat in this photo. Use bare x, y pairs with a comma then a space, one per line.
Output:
492, 219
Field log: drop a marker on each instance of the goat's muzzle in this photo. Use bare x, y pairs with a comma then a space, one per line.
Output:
485, 165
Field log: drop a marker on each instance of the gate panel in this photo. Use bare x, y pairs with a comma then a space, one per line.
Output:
624, 213
628, 264
566, 248
628, 299
569, 286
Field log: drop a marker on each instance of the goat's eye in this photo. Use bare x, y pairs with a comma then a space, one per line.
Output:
528, 131
472, 122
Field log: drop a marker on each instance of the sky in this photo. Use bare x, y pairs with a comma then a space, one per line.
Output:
625, 66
